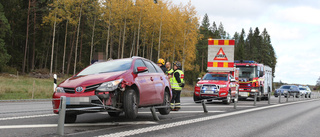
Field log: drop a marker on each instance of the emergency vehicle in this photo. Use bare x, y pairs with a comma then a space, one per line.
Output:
220, 83
254, 78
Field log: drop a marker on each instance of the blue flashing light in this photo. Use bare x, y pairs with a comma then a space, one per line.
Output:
244, 61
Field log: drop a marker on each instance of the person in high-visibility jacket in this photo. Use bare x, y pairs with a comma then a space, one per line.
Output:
177, 83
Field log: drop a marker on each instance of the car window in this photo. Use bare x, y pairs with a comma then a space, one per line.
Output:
285, 87
106, 67
150, 67
138, 63
158, 69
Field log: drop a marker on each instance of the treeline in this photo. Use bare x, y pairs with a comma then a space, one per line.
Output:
252, 46
64, 36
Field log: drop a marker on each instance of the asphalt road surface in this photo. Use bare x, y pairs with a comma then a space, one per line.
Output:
295, 118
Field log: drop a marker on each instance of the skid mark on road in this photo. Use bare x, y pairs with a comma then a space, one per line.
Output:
24, 117
179, 112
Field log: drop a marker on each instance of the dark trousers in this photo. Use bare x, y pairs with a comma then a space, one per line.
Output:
175, 101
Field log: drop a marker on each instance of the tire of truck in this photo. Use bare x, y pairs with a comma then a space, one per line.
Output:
130, 105
70, 118
114, 114
196, 99
166, 102
227, 101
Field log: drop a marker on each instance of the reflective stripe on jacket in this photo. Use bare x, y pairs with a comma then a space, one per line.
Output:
174, 83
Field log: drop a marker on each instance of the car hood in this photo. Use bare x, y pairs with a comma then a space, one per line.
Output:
88, 80
217, 82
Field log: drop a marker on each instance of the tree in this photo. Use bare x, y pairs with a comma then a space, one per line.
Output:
4, 30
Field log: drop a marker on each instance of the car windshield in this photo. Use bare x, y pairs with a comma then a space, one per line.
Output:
106, 67
302, 89
247, 72
285, 87
223, 77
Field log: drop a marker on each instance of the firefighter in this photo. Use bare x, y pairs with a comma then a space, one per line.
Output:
160, 63
177, 83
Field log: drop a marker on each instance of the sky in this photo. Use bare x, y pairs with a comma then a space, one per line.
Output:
293, 25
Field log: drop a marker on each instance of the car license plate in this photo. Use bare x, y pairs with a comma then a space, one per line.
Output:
209, 92
77, 100
243, 94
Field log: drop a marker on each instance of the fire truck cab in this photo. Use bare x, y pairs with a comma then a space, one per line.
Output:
254, 78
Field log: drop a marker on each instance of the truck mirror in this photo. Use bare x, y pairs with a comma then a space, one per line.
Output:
198, 79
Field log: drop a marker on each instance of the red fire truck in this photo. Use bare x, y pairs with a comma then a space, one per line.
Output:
254, 78
220, 83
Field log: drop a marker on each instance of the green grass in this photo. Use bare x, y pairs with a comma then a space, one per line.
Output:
24, 87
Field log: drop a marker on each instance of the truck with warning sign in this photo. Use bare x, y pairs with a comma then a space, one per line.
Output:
220, 83
254, 79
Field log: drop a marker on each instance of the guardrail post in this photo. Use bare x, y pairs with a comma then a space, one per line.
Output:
279, 98
269, 97
62, 114
287, 97
235, 101
204, 107
154, 114
294, 96
255, 99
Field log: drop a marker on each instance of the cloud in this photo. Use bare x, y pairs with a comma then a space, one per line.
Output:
301, 14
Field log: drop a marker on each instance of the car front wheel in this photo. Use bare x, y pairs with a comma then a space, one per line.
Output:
130, 104
166, 103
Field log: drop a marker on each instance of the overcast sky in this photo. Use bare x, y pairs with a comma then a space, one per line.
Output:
293, 25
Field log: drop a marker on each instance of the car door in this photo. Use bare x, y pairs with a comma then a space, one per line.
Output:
154, 77
159, 82
145, 84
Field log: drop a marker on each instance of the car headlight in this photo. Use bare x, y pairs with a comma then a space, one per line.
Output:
60, 90
222, 86
199, 85
109, 86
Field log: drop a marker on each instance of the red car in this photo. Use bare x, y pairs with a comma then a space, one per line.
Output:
216, 86
116, 86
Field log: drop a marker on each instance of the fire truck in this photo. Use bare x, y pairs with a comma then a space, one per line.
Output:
220, 83
254, 78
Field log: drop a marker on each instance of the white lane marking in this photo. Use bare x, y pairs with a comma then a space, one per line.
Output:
78, 125
215, 106
179, 112
23, 117
175, 124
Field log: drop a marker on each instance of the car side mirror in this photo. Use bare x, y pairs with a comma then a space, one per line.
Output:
198, 79
141, 69
233, 80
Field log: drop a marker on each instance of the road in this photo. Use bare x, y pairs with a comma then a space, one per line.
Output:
297, 117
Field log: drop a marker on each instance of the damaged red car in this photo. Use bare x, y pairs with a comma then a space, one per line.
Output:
115, 86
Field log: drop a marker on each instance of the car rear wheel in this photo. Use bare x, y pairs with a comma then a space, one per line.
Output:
166, 103
114, 114
70, 118
130, 104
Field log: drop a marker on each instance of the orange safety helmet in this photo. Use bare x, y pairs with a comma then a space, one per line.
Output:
160, 61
